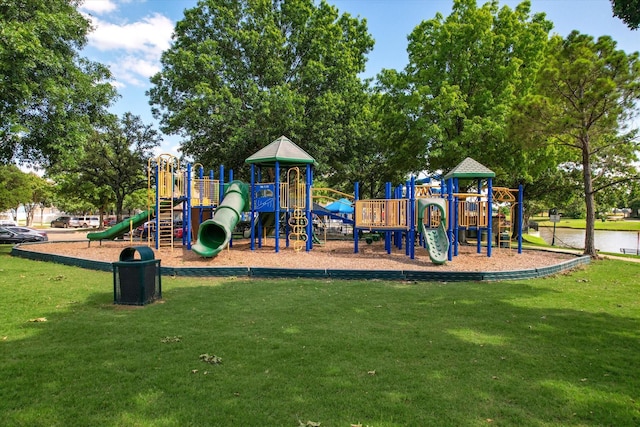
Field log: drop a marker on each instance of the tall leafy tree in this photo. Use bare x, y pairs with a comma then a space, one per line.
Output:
50, 96
465, 72
240, 73
586, 96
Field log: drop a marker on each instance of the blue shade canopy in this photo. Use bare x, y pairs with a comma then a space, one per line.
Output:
341, 206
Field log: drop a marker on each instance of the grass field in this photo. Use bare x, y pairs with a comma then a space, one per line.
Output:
626, 225
558, 351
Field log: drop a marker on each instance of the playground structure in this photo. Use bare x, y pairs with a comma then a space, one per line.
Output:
280, 201
436, 216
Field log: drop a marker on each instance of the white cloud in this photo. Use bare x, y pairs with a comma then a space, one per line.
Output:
169, 147
98, 6
136, 47
134, 70
151, 35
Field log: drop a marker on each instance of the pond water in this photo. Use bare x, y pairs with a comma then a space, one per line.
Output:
607, 241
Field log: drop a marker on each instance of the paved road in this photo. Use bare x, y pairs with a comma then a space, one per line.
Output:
70, 234
58, 234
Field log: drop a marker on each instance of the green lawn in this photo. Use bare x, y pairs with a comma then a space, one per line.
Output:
626, 225
558, 351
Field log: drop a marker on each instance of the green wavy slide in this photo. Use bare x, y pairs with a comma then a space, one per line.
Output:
437, 240
122, 228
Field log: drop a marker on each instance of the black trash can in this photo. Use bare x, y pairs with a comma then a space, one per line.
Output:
136, 281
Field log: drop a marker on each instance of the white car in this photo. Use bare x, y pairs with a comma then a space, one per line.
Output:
8, 222
84, 222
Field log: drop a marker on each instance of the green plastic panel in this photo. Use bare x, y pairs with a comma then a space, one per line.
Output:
411, 275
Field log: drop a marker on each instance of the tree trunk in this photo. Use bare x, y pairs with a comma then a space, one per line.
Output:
119, 204
589, 199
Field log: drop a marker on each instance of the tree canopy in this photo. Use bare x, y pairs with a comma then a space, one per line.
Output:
49, 96
465, 72
241, 73
628, 11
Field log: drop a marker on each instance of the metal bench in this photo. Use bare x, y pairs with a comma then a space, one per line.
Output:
628, 251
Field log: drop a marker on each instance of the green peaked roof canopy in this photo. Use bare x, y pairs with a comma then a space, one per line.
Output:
281, 150
469, 168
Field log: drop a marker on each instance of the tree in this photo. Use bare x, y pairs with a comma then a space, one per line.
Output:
628, 11
585, 99
635, 208
75, 193
40, 196
49, 96
464, 74
14, 188
139, 199
116, 160
240, 73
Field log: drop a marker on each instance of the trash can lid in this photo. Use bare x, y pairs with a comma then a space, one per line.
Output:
128, 254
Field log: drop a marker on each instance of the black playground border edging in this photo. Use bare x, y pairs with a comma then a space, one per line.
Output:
266, 272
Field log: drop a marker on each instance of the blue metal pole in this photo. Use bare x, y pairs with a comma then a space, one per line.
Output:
253, 207
277, 201
451, 218
356, 193
309, 206
186, 211
490, 213
387, 234
407, 187
412, 219
221, 185
478, 228
156, 220
456, 219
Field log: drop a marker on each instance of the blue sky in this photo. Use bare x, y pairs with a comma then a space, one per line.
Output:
130, 36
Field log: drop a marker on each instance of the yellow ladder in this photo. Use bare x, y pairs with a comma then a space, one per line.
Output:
298, 221
169, 186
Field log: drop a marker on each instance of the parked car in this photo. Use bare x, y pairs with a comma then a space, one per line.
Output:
179, 232
11, 237
9, 222
84, 222
28, 230
61, 222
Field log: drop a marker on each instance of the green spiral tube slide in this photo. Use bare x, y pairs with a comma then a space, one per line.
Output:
214, 234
